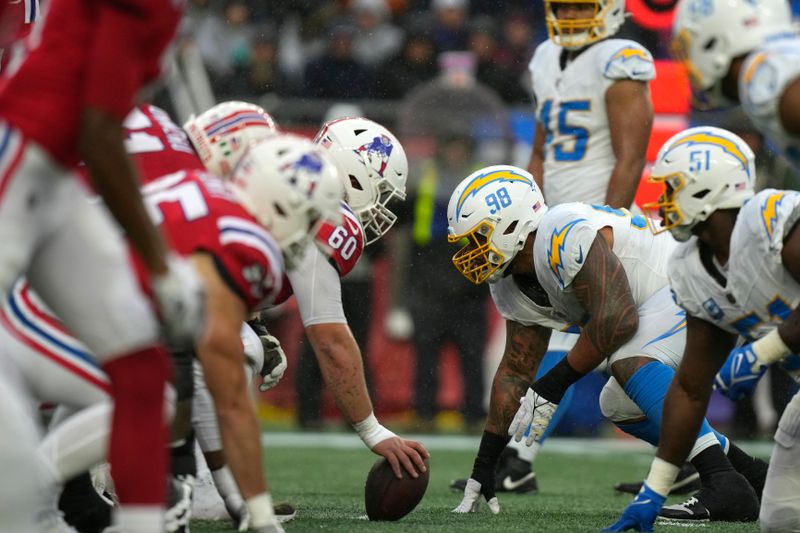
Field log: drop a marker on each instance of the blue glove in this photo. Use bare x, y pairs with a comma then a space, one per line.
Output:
641, 513
739, 375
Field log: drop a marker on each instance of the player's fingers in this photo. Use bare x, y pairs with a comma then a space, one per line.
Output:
407, 464
419, 447
395, 464
416, 458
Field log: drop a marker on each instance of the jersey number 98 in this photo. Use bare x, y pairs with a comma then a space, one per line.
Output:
499, 200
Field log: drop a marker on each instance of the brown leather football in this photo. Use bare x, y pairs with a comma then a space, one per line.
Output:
389, 498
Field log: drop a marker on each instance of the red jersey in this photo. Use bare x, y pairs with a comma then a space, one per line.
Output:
199, 213
157, 145
97, 53
346, 243
16, 17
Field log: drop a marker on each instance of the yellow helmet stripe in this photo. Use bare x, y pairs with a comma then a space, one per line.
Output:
716, 140
481, 181
752, 68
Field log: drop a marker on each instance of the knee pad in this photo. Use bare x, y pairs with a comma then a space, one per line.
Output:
615, 405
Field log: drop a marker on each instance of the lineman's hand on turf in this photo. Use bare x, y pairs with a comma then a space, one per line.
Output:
274, 362
534, 412
739, 375
408, 453
641, 513
180, 297
471, 502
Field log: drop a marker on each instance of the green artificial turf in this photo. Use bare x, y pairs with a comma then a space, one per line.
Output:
576, 494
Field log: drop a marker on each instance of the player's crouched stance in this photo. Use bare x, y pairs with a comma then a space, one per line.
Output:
598, 268
734, 273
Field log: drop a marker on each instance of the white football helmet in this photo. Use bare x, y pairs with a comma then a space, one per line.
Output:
703, 169
494, 209
708, 34
222, 134
373, 167
291, 187
574, 34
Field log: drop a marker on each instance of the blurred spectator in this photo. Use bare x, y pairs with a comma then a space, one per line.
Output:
337, 74
490, 71
519, 40
376, 39
450, 31
443, 307
415, 64
261, 73
224, 42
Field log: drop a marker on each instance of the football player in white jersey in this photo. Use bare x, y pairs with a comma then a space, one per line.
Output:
593, 107
594, 117
735, 275
374, 165
594, 267
744, 51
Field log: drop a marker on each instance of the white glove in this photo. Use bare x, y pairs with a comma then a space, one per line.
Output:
180, 297
471, 502
274, 362
535, 413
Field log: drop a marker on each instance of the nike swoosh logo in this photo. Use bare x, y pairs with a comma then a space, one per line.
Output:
643, 502
510, 484
580, 255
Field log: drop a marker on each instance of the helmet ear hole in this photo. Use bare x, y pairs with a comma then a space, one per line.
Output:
709, 44
359, 131
510, 229
354, 183
701, 194
279, 209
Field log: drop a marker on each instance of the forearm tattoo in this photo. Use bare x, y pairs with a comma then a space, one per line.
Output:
525, 347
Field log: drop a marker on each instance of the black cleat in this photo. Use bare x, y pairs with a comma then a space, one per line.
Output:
727, 497
513, 475
688, 481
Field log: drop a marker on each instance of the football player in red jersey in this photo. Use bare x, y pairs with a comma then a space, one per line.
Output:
239, 262
375, 167
16, 20
65, 101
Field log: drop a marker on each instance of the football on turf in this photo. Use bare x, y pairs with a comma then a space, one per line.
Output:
389, 498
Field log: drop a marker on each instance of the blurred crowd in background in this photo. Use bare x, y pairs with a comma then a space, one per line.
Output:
431, 340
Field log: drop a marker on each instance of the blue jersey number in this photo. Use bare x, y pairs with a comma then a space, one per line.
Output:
699, 160
579, 134
637, 221
498, 201
777, 310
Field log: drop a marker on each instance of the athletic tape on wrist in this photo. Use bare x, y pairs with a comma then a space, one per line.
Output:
662, 475
261, 510
371, 431
770, 348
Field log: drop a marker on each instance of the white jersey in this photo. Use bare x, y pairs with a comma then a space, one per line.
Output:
566, 234
757, 278
704, 295
571, 106
763, 78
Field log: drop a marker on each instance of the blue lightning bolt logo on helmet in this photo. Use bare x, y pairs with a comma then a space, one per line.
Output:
493, 210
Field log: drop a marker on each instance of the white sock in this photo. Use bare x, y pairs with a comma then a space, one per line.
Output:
526, 453
139, 518
226, 486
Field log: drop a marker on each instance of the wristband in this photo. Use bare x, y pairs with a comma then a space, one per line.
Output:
371, 431
770, 348
261, 510
553, 385
485, 465
662, 475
